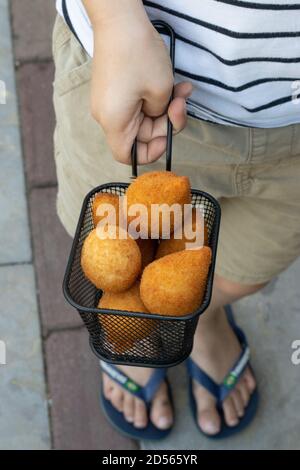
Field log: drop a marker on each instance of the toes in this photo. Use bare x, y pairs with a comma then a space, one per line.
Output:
117, 398
140, 414
244, 392
230, 413
208, 417
107, 386
161, 411
235, 404
128, 407
238, 402
250, 380
209, 421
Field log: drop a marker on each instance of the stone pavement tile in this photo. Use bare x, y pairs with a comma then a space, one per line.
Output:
74, 379
32, 28
14, 233
37, 120
23, 406
271, 322
51, 246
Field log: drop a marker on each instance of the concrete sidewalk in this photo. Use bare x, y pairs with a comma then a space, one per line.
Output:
24, 420
51, 381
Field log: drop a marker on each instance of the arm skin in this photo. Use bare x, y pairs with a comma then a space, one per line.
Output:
132, 80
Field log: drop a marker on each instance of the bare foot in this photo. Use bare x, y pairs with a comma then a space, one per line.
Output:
216, 348
134, 409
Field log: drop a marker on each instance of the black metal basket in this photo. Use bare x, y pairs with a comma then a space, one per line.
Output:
161, 341
170, 339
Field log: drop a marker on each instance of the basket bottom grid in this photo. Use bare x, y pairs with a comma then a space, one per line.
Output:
163, 344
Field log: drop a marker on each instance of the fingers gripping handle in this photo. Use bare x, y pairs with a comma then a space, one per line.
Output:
163, 28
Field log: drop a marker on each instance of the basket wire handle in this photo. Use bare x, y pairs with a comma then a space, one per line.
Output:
163, 28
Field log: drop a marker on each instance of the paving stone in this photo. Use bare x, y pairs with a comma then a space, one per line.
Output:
14, 233
37, 120
74, 379
51, 246
23, 406
271, 322
32, 28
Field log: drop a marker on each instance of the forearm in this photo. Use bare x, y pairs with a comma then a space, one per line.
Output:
102, 12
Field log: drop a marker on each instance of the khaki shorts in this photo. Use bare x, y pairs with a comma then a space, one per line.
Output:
255, 173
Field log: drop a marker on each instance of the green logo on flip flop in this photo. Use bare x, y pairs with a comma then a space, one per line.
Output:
230, 381
132, 386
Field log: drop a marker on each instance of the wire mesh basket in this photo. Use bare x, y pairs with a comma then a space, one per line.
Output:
165, 340
160, 340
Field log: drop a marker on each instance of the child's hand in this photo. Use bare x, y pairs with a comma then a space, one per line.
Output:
131, 87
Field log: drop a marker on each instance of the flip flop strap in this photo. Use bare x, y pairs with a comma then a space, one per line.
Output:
202, 378
220, 392
145, 393
234, 375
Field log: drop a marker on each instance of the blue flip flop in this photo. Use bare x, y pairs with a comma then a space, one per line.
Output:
220, 392
145, 393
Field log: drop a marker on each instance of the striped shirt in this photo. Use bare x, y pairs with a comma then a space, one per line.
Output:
242, 56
